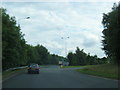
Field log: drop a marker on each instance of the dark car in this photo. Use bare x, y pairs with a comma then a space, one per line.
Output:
33, 68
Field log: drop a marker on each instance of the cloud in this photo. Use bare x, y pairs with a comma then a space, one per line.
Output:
49, 21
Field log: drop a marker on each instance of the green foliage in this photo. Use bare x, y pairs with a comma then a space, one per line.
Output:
15, 50
111, 33
104, 70
13, 42
81, 58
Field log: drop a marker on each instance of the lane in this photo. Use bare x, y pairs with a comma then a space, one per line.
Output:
55, 77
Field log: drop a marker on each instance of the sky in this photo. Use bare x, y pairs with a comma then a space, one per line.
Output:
51, 23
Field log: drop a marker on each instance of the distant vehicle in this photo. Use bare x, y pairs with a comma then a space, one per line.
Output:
60, 62
33, 68
65, 63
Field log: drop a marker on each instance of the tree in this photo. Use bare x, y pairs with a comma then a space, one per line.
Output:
13, 42
111, 33
72, 59
15, 50
81, 56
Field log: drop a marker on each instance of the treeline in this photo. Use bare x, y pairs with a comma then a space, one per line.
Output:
111, 34
15, 51
39, 54
110, 42
81, 58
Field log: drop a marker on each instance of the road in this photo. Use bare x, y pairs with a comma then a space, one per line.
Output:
55, 77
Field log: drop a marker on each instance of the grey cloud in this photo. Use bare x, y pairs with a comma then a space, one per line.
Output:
89, 43
51, 21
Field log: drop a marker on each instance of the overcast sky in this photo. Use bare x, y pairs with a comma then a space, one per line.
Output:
49, 21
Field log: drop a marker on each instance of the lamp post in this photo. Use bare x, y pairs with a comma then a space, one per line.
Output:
22, 19
65, 38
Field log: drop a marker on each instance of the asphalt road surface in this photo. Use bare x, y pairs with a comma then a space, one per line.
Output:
55, 77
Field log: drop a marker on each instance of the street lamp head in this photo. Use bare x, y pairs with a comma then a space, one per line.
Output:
64, 37
61, 37
27, 17
22, 19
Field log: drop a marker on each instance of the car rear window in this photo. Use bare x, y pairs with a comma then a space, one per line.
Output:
34, 66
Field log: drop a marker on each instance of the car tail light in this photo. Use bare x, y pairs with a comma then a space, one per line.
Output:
29, 68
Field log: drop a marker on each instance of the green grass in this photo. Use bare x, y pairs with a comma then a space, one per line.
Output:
6, 74
106, 70
75, 66
44, 65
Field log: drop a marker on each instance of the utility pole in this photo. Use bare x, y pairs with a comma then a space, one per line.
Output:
65, 40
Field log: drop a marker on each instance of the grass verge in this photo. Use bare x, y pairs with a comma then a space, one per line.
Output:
7, 74
75, 66
106, 70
